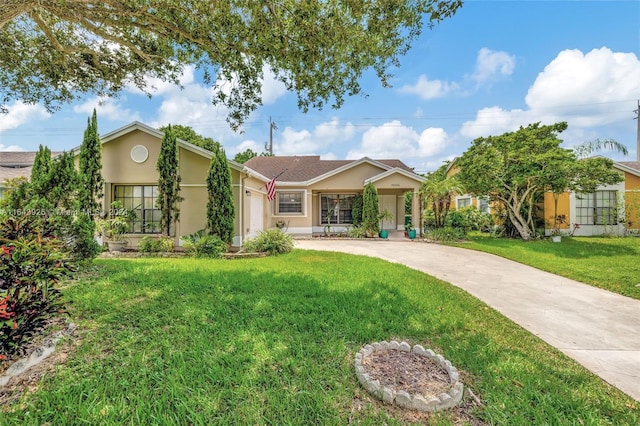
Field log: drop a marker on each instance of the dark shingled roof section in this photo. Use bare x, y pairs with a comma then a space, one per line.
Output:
17, 158
304, 168
14, 172
631, 164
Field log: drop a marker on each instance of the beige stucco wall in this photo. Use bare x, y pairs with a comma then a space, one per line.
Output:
119, 168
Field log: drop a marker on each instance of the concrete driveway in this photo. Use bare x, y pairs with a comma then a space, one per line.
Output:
597, 328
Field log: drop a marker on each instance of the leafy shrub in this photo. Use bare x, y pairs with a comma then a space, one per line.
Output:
31, 264
446, 234
272, 241
200, 245
155, 245
356, 232
476, 220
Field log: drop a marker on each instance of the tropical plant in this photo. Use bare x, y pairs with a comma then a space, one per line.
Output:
118, 223
199, 244
370, 210
220, 207
384, 216
437, 191
32, 262
272, 241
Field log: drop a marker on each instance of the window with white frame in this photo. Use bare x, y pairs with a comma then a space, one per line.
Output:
336, 208
463, 202
483, 204
289, 202
597, 208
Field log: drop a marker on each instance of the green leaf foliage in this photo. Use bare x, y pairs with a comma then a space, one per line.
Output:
90, 162
53, 52
168, 182
244, 156
272, 241
31, 264
187, 134
370, 210
220, 207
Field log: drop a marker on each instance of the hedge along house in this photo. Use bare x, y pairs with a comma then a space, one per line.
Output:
312, 194
613, 209
129, 157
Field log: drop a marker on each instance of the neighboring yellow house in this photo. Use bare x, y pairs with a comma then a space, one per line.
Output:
313, 193
612, 209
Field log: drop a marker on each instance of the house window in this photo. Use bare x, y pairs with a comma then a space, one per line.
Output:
597, 208
141, 199
483, 204
463, 202
289, 202
336, 208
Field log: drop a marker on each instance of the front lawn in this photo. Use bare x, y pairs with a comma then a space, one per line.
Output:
272, 341
609, 263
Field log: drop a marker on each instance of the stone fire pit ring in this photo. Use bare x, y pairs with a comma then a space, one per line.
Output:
388, 394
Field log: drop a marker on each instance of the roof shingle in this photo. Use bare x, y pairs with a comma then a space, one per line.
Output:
304, 168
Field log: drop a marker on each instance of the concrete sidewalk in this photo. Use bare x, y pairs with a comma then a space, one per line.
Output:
597, 328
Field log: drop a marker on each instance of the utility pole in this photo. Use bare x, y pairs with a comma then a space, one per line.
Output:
272, 127
637, 111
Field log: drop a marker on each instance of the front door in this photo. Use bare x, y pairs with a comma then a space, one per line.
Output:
388, 202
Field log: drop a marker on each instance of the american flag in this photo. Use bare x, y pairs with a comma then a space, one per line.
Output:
271, 189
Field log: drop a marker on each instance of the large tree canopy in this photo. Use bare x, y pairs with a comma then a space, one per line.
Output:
515, 168
53, 51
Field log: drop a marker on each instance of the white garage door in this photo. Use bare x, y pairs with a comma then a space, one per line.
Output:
257, 215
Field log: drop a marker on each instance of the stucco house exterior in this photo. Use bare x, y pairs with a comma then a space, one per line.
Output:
312, 193
305, 187
612, 209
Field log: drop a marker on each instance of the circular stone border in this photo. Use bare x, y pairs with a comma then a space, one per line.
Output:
404, 399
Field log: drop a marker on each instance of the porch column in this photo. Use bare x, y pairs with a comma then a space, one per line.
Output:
416, 221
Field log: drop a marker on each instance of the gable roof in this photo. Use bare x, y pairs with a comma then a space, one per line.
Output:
136, 125
632, 167
308, 169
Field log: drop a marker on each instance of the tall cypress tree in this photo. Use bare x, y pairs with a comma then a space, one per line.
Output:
220, 208
90, 166
370, 210
40, 172
168, 181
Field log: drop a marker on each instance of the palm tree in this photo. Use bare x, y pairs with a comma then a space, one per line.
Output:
438, 194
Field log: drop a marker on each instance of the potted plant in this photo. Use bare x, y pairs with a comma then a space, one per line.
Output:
385, 215
116, 225
411, 231
556, 233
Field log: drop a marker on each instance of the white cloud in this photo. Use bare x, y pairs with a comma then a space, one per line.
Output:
490, 63
430, 89
158, 87
586, 90
302, 142
581, 87
231, 151
394, 140
272, 89
4, 148
107, 108
21, 113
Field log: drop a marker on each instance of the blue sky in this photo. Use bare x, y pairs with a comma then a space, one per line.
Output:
494, 66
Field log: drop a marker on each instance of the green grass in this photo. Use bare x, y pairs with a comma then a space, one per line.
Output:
272, 341
609, 263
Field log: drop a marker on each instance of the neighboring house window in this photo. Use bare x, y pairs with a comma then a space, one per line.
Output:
597, 208
142, 199
340, 206
463, 202
483, 204
289, 202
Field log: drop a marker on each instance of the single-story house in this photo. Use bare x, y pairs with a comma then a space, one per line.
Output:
307, 188
313, 193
